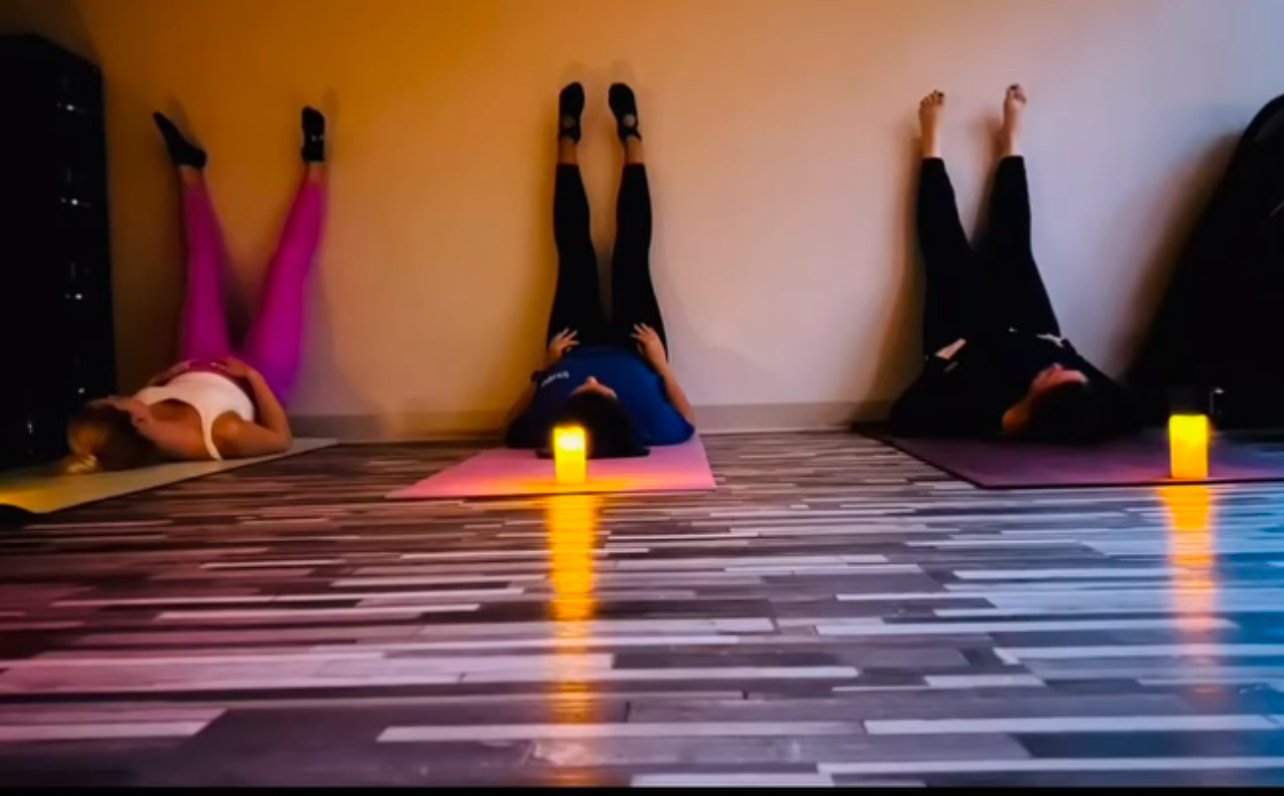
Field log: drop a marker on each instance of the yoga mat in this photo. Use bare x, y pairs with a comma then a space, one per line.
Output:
41, 490
502, 472
1132, 461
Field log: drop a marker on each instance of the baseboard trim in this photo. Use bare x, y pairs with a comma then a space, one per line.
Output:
713, 419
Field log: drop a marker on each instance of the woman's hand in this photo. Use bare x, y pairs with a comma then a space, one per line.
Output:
650, 345
953, 348
235, 368
562, 342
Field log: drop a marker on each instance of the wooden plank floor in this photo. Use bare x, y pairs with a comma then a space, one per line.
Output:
835, 613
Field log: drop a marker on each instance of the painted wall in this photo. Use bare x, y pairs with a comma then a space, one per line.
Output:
780, 140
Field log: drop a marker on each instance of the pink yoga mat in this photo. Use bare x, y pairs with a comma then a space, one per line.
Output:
503, 473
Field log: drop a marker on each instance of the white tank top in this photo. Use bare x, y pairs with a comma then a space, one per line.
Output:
210, 394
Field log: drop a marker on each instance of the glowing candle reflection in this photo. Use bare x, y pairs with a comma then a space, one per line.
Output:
571, 522
1192, 554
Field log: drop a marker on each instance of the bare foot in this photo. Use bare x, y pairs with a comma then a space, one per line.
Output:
930, 111
1013, 116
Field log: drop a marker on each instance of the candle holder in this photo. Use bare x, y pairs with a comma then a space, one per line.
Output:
570, 454
1188, 437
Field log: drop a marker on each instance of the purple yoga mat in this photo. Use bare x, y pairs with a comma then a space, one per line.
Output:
1133, 461
503, 473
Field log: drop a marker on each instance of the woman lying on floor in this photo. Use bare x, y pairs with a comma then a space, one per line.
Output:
216, 402
994, 361
611, 377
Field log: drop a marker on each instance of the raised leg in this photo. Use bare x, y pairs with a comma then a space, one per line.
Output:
275, 342
633, 299
953, 298
577, 303
1020, 298
203, 333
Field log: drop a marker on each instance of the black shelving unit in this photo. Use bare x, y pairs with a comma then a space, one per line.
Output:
57, 346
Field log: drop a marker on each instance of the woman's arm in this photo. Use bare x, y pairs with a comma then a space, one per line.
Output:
271, 434
653, 350
237, 438
175, 440
271, 415
953, 348
677, 396
1016, 417
561, 343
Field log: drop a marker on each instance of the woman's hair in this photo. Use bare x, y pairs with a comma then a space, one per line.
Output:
610, 431
1069, 412
104, 438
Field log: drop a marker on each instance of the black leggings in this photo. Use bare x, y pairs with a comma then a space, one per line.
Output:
577, 304
975, 294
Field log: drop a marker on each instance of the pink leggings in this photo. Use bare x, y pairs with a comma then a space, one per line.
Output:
274, 344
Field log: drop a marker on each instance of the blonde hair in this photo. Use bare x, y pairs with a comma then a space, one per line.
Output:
80, 464
103, 438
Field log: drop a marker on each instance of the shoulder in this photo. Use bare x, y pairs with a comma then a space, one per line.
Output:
176, 437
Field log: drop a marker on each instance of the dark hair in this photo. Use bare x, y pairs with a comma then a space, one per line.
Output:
610, 430
104, 438
1069, 412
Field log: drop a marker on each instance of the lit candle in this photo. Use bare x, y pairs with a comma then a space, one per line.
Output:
570, 454
1188, 446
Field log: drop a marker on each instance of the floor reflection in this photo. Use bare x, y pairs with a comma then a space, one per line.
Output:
571, 523
1192, 553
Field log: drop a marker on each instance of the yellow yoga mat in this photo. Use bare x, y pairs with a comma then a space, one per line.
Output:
42, 490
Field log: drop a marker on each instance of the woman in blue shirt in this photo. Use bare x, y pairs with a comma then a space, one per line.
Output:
611, 376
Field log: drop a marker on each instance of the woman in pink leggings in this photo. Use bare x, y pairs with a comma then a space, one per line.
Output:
219, 401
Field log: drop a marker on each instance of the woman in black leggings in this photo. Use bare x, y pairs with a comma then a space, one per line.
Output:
610, 375
994, 361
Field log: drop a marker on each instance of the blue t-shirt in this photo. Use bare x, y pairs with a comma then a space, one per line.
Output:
639, 388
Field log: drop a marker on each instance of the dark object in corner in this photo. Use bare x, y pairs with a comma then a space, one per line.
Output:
1216, 343
55, 308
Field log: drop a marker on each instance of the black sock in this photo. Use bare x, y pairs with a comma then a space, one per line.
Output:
313, 136
570, 106
181, 151
623, 103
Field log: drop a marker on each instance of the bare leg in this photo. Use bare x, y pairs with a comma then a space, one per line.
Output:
1013, 119
930, 111
567, 152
